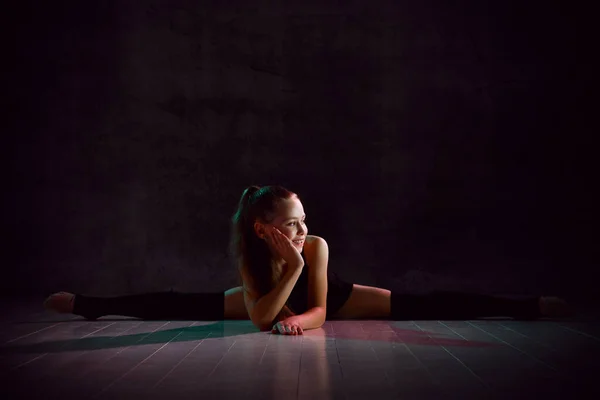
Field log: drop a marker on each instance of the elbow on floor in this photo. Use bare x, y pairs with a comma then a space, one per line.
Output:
263, 326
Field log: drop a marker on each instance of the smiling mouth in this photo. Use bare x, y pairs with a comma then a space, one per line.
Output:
298, 241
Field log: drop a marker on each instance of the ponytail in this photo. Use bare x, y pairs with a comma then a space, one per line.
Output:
249, 195
248, 198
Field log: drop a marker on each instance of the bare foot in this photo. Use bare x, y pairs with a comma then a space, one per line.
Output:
61, 302
554, 307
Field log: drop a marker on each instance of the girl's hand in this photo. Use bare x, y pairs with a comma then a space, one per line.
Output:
289, 326
285, 247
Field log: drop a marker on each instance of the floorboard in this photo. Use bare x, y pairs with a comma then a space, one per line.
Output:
51, 356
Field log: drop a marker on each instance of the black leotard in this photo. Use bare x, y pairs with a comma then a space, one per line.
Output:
338, 291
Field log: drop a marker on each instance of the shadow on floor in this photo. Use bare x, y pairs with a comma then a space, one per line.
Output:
223, 329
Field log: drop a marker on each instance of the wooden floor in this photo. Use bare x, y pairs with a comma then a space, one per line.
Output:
50, 356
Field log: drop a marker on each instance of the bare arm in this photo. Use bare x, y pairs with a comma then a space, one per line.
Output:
263, 311
312, 318
318, 257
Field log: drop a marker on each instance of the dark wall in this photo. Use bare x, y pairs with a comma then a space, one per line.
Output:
433, 144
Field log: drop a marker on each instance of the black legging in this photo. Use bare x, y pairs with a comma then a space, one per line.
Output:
154, 306
459, 305
210, 306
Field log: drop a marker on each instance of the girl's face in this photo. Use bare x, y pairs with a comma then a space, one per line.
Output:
290, 220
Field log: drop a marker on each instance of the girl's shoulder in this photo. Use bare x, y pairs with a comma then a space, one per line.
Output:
311, 240
309, 244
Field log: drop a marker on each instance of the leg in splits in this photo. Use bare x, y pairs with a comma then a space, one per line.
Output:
363, 302
368, 302
157, 305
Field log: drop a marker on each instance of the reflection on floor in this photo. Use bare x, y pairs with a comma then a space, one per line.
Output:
51, 356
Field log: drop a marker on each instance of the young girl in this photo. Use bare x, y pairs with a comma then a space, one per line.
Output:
287, 286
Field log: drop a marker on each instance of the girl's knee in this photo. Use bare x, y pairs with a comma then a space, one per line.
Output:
235, 307
233, 291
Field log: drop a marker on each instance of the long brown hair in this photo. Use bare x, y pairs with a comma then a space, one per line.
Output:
250, 253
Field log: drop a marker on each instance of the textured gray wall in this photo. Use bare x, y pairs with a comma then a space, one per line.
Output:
433, 144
